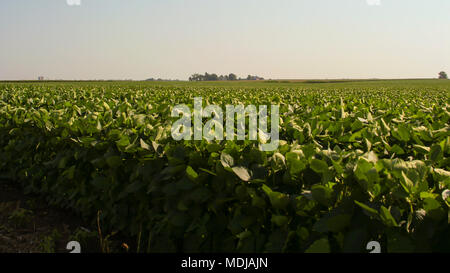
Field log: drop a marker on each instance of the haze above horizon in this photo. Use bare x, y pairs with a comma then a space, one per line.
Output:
172, 39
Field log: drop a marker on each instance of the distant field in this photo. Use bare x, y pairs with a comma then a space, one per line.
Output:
358, 161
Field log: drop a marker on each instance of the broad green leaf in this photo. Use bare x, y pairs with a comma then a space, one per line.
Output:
213, 147
319, 246
114, 161
242, 173
424, 195
280, 220
319, 166
436, 153
144, 145
226, 160
296, 167
277, 199
322, 194
123, 142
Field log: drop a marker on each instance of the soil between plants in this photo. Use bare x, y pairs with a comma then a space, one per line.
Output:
29, 225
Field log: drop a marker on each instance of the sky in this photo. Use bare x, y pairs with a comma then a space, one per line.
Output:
173, 39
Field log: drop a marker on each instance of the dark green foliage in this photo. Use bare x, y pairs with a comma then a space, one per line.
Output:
354, 165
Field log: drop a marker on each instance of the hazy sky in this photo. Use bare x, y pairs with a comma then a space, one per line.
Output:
138, 39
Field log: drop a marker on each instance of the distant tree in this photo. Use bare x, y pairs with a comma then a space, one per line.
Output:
443, 75
196, 77
213, 77
254, 78
232, 77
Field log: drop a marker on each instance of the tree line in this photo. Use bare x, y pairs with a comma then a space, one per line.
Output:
215, 77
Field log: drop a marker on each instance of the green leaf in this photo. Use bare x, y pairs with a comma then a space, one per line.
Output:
144, 145
207, 171
333, 222
99, 126
436, 153
319, 246
192, 175
156, 147
213, 147
443, 174
319, 166
401, 133
258, 202
421, 149
291, 156
226, 160
70, 172
266, 189
308, 150
387, 218
367, 208
366, 171
278, 162
106, 106
114, 161
322, 194
434, 209
279, 220
123, 142
296, 167
242, 173
406, 183
337, 166
424, 195
431, 204
277, 199
397, 150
